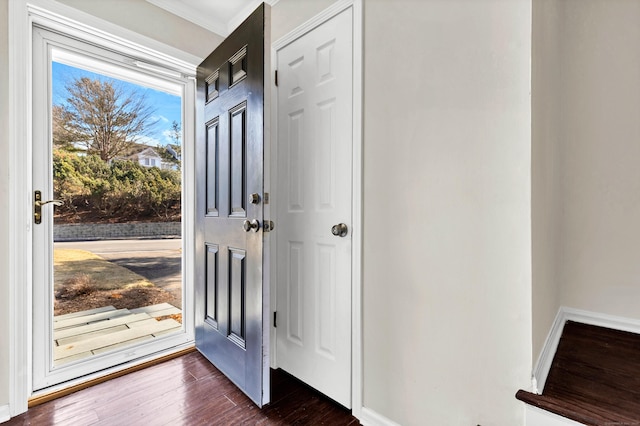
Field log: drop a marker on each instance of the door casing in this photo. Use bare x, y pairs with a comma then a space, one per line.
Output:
357, 161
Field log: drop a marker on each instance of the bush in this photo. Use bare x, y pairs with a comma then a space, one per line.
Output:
119, 192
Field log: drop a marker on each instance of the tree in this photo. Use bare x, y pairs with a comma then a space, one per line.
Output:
101, 117
172, 152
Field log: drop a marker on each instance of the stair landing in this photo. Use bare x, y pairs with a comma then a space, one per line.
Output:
83, 334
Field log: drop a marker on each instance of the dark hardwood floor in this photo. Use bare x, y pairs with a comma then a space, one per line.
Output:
186, 391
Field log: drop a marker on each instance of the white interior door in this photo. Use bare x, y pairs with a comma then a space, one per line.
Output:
314, 167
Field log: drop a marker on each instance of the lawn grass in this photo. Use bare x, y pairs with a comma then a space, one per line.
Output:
70, 264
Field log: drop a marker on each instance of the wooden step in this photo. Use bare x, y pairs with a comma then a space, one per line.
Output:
95, 343
83, 313
100, 325
594, 377
88, 319
158, 310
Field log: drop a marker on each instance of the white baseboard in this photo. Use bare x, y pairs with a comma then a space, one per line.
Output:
569, 314
368, 417
5, 413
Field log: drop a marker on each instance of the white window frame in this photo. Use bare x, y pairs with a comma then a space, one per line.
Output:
23, 14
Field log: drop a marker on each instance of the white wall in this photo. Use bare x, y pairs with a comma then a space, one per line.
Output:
4, 195
447, 247
545, 151
151, 21
600, 172
287, 15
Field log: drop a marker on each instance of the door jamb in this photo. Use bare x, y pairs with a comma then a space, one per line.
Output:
356, 255
22, 15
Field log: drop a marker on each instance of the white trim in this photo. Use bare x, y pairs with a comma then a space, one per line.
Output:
357, 362
271, 175
109, 35
267, 329
357, 190
19, 213
5, 414
23, 14
319, 19
369, 417
565, 314
190, 14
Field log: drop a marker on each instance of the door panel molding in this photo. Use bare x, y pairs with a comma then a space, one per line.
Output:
23, 16
238, 346
357, 160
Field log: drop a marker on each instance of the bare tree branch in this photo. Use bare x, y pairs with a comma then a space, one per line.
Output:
101, 117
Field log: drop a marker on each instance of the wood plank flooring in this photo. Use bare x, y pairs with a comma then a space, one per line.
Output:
186, 391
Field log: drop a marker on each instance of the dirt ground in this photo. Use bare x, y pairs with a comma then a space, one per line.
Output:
85, 281
124, 299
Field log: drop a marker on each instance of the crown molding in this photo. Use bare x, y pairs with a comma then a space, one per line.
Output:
208, 21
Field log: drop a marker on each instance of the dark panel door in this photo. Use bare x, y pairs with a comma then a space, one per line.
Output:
231, 330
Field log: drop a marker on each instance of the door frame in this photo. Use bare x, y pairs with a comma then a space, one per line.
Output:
23, 14
357, 161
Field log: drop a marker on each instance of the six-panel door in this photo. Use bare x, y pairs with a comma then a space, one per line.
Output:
229, 167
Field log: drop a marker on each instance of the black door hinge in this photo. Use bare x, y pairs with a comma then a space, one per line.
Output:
275, 319
276, 78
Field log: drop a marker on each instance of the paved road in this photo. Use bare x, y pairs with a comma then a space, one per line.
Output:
159, 261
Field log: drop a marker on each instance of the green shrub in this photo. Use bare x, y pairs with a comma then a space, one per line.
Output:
120, 191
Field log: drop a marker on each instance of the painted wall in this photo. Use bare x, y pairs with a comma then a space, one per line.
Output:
4, 195
546, 160
447, 247
287, 15
600, 154
151, 21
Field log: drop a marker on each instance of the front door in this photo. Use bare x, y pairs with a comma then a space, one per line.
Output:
231, 296
314, 207
96, 304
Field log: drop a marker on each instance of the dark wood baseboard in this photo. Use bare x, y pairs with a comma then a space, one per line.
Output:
41, 399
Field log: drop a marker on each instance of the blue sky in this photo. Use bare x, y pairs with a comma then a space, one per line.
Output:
167, 107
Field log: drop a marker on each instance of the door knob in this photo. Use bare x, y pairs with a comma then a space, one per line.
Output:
254, 198
248, 225
339, 230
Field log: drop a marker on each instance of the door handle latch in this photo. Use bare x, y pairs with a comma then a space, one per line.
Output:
37, 206
268, 226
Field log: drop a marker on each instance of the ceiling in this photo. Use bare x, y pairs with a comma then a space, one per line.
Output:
218, 16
